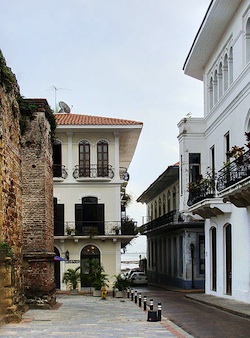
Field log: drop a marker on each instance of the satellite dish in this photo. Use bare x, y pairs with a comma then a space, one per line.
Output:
64, 107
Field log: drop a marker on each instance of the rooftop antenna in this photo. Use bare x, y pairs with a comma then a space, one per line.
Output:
56, 90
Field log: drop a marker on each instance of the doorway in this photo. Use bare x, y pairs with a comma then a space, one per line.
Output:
88, 253
228, 242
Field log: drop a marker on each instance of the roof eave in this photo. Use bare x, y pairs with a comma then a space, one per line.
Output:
208, 36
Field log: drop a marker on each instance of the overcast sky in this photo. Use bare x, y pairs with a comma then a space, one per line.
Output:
113, 58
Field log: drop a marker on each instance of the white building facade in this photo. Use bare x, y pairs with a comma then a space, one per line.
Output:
91, 158
175, 243
214, 152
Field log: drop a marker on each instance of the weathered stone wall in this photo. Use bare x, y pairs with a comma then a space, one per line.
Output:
11, 291
37, 196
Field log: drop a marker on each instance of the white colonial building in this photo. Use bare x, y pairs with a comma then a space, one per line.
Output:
214, 175
175, 243
91, 158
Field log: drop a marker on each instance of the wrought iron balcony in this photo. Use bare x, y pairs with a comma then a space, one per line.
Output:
234, 172
94, 228
201, 190
93, 171
168, 218
59, 171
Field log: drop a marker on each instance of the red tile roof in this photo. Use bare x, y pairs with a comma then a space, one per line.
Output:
79, 119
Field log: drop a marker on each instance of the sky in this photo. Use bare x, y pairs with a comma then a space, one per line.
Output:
111, 58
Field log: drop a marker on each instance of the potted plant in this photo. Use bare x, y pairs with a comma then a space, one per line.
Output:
96, 276
120, 284
71, 277
99, 282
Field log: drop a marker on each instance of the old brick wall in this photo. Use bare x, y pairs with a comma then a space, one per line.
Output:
37, 197
11, 291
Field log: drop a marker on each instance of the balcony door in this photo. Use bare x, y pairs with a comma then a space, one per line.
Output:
84, 159
102, 159
89, 217
58, 218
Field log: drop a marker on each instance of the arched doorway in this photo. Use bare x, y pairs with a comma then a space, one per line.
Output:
57, 270
228, 260
88, 253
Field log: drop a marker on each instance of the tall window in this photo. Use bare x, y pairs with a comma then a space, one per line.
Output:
174, 199
225, 72
57, 159
227, 145
169, 201
164, 204
211, 94
102, 159
84, 159
194, 166
159, 206
213, 162
248, 41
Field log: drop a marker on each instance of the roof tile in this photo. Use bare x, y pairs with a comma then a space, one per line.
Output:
79, 119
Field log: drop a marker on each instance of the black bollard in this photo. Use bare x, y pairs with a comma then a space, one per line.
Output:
139, 298
113, 293
159, 312
132, 294
151, 305
144, 303
135, 297
128, 292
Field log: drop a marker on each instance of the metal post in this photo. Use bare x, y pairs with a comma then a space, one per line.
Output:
139, 297
144, 303
151, 305
135, 297
132, 294
128, 292
159, 312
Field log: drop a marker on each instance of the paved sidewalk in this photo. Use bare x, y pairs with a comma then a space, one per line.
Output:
229, 305
88, 316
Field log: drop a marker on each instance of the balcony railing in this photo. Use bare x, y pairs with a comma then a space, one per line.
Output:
168, 218
201, 190
59, 171
94, 228
93, 171
234, 172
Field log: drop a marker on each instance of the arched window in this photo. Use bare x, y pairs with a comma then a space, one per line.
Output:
248, 41
84, 159
215, 85
230, 65
169, 201
155, 209
102, 158
174, 199
225, 73
220, 87
211, 95
164, 204
159, 206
